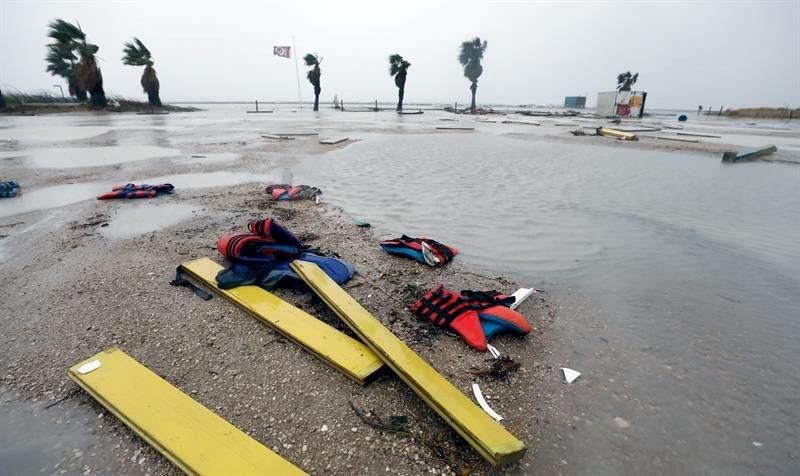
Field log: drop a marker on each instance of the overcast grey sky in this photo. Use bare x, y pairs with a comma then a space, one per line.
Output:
732, 53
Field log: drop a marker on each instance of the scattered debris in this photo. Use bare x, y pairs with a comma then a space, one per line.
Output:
617, 134
678, 139
392, 424
361, 223
496, 444
758, 444
639, 129
453, 128
499, 368
276, 137
333, 141
292, 134
476, 390
459, 460
131, 190
493, 350
748, 154
520, 295
281, 192
570, 375
695, 134
9, 189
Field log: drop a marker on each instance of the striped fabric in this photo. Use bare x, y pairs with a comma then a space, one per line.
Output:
132, 190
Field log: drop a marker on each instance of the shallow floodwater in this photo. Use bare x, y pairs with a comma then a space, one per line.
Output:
63, 158
134, 219
685, 321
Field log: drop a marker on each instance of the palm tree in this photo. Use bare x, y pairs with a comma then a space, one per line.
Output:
70, 39
626, 80
61, 59
2, 100
470, 58
313, 76
136, 54
398, 67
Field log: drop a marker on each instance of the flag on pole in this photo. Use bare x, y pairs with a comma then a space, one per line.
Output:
282, 51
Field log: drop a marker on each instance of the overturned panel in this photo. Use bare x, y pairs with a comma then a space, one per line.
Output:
488, 437
341, 351
193, 437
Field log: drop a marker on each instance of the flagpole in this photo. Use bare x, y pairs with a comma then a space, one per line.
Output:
297, 72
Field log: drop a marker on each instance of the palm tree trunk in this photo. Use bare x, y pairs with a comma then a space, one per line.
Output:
400, 93
98, 96
474, 88
153, 99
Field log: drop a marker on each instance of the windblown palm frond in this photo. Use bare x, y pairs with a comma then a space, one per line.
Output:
65, 32
397, 64
60, 60
136, 54
470, 57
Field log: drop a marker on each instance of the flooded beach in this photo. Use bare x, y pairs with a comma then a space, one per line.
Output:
673, 278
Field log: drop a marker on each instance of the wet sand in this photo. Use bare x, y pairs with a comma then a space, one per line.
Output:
74, 286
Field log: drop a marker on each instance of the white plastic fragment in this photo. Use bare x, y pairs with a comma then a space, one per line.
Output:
570, 375
88, 367
520, 295
482, 402
493, 350
758, 444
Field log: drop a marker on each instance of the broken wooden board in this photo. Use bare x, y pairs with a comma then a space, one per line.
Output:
276, 137
679, 139
454, 128
194, 438
608, 132
333, 141
292, 134
748, 154
259, 112
488, 437
339, 350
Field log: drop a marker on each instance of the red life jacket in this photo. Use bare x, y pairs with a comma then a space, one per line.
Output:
464, 312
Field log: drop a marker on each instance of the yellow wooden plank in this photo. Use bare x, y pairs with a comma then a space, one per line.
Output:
193, 437
488, 437
344, 353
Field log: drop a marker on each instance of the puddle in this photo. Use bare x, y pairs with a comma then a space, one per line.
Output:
34, 440
51, 197
208, 158
210, 179
51, 134
137, 219
62, 158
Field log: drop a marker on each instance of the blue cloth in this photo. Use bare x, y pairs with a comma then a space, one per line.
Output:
274, 274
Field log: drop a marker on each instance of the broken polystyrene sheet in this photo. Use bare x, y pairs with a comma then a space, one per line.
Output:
482, 402
520, 295
570, 375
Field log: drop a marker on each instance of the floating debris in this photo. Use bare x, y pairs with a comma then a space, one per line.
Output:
748, 154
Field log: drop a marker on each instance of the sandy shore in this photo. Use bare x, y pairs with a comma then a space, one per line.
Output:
76, 292
76, 283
